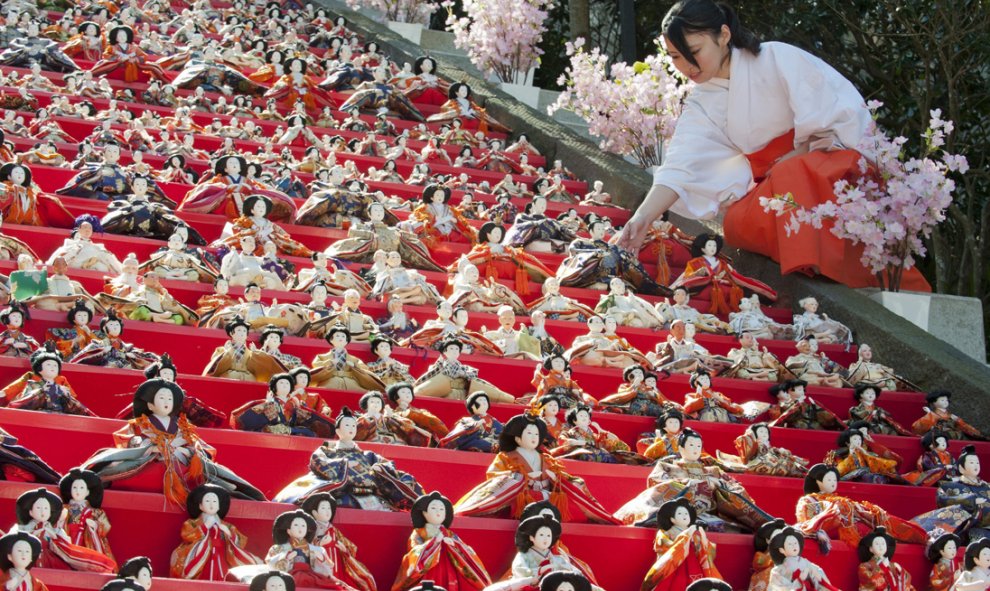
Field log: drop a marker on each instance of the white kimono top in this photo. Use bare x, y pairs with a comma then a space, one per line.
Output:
767, 95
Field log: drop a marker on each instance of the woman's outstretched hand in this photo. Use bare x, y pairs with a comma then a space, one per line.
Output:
632, 235
656, 202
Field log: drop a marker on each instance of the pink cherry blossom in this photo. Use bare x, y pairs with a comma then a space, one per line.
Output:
405, 11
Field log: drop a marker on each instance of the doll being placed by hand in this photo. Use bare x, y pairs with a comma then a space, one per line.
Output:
436, 553
210, 546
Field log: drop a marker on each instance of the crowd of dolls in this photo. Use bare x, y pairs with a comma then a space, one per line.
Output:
258, 120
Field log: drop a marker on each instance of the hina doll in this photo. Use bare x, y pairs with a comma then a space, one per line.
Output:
136, 570
179, 262
80, 252
377, 424
864, 370
105, 180
234, 360
757, 455
31, 46
460, 105
448, 378
337, 280
398, 325
479, 431
533, 231
245, 268
750, 363
856, 463
880, 421
976, 567
473, 294
366, 237
57, 291
210, 304
436, 553
565, 581
409, 286
966, 494
877, 571
705, 404
356, 478
359, 325
254, 221
824, 329
136, 215
792, 571
596, 349
585, 440
592, 263
514, 343
402, 395
71, 340
548, 409
750, 318
707, 270
38, 512
557, 306
762, 562
44, 388
435, 221
636, 397
821, 512
322, 507
150, 302
663, 441
271, 580
340, 205
500, 261
812, 367
627, 309
522, 474
548, 509
682, 310
424, 86
537, 557
725, 503
12, 248
110, 349
938, 418
161, 443
682, 547
340, 370
804, 412
227, 189
21, 202
19, 553
281, 413
943, 553
122, 52
378, 95
210, 545
82, 517
935, 464
13, 341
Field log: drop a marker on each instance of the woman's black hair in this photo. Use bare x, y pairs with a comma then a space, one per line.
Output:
863, 549
474, 398
934, 550
761, 539
280, 535
313, 501
23, 504
7, 546
133, 566
972, 552
688, 434
514, 428
538, 507
197, 495
665, 515
571, 415
422, 504
92, 481
705, 16
260, 580
529, 527
393, 391
776, 546
301, 370
815, 475
46, 353
554, 580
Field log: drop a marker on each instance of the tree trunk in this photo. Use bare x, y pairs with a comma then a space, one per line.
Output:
580, 13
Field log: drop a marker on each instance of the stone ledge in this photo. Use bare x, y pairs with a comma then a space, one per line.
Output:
920, 357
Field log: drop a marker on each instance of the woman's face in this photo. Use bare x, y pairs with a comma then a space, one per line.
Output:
681, 518
709, 52
298, 529
529, 438
79, 490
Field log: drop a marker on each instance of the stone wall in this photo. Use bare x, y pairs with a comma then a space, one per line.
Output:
918, 356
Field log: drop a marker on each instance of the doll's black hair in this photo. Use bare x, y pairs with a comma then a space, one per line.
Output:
280, 534
197, 495
313, 502
473, 400
815, 475
514, 428
260, 580
863, 549
665, 515
776, 546
529, 527
7, 546
22, 507
423, 502
92, 481
761, 539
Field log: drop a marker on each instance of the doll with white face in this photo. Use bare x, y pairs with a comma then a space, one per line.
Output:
19, 553
479, 431
826, 330
339, 369
80, 252
757, 455
211, 546
584, 439
943, 553
539, 557
388, 370
44, 388
377, 424
377, 231
431, 516
877, 569
14, 342
682, 547
449, 378
937, 417
709, 272
410, 286
786, 549
82, 516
